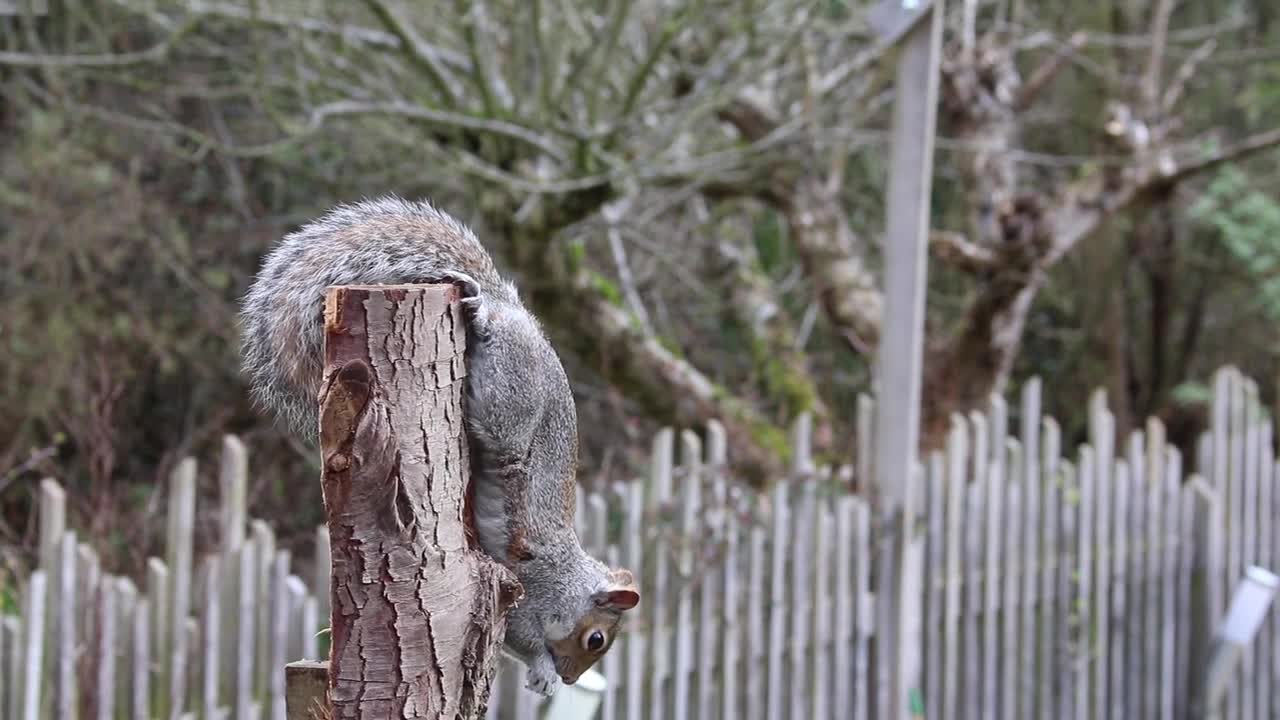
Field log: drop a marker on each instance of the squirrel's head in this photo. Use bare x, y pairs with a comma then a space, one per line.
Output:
597, 628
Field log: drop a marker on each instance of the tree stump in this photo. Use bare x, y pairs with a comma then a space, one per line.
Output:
418, 611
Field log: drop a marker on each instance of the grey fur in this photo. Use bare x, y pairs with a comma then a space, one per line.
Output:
522, 424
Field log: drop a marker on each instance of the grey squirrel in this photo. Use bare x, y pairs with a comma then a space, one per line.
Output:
521, 421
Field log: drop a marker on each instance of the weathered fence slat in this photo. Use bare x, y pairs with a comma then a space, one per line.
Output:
777, 602
52, 523
141, 660
278, 633
263, 543
863, 613
1012, 551
845, 603
755, 656
1264, 649
211, 635
994, 501
821, 625
1102, 437
246, 566
800, 604
65, 705
684, 634
1082, 647
953, 545
659, 637
1134, 620
971, 687
104, 649
1172, 624
28, 676
126, 606
731, 577
13, 685
1066, 586
1030, 640
934, 580
1272, 509
1154, 568
711, 638
1120, 492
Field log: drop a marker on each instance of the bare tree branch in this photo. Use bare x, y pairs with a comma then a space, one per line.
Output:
626, 279
775, 343
956, 251
348, 33
1047, 71
835, 258
1155, 59
1185, 72
418, 50
1231, 153
155, 53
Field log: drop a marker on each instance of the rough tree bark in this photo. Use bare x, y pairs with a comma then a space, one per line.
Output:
418, 611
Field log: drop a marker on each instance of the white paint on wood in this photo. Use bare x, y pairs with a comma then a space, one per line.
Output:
32, 642
247, 566
800, 584
66, 703
181, 528
756, 662
864, 614
15, 656
1083, 633
660, 653
141, 661
779, 505
278, 632
211, 635
1117, 689
953, 550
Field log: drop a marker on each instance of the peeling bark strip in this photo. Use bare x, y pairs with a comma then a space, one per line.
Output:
418, 611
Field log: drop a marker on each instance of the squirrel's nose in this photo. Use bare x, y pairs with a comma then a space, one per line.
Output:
568, 680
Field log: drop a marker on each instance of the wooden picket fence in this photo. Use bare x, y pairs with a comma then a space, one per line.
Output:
213, 634
1084, 585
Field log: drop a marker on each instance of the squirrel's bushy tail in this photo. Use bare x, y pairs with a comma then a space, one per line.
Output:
375, 242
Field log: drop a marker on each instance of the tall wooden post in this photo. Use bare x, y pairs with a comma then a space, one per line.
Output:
418, 612
899, 361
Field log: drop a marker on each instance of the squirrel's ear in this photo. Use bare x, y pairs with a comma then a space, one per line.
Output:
622, 593
618, 598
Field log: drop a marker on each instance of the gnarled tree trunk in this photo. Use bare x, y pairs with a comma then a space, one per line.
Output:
418, 610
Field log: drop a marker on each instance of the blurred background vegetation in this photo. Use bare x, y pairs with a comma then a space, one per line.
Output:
688, 192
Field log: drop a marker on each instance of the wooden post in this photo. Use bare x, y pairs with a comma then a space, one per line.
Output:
899, 358
306, 682
418, 612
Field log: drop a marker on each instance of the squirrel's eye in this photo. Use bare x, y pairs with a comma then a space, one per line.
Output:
595, 641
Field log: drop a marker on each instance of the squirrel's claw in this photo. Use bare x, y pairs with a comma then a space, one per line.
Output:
542, 677
472, 301
470, 288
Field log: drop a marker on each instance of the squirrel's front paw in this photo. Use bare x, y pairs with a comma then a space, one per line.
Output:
542, 677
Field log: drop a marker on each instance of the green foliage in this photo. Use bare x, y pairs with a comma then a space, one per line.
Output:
606, 287
1247, 222
770, 238
1192, 393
